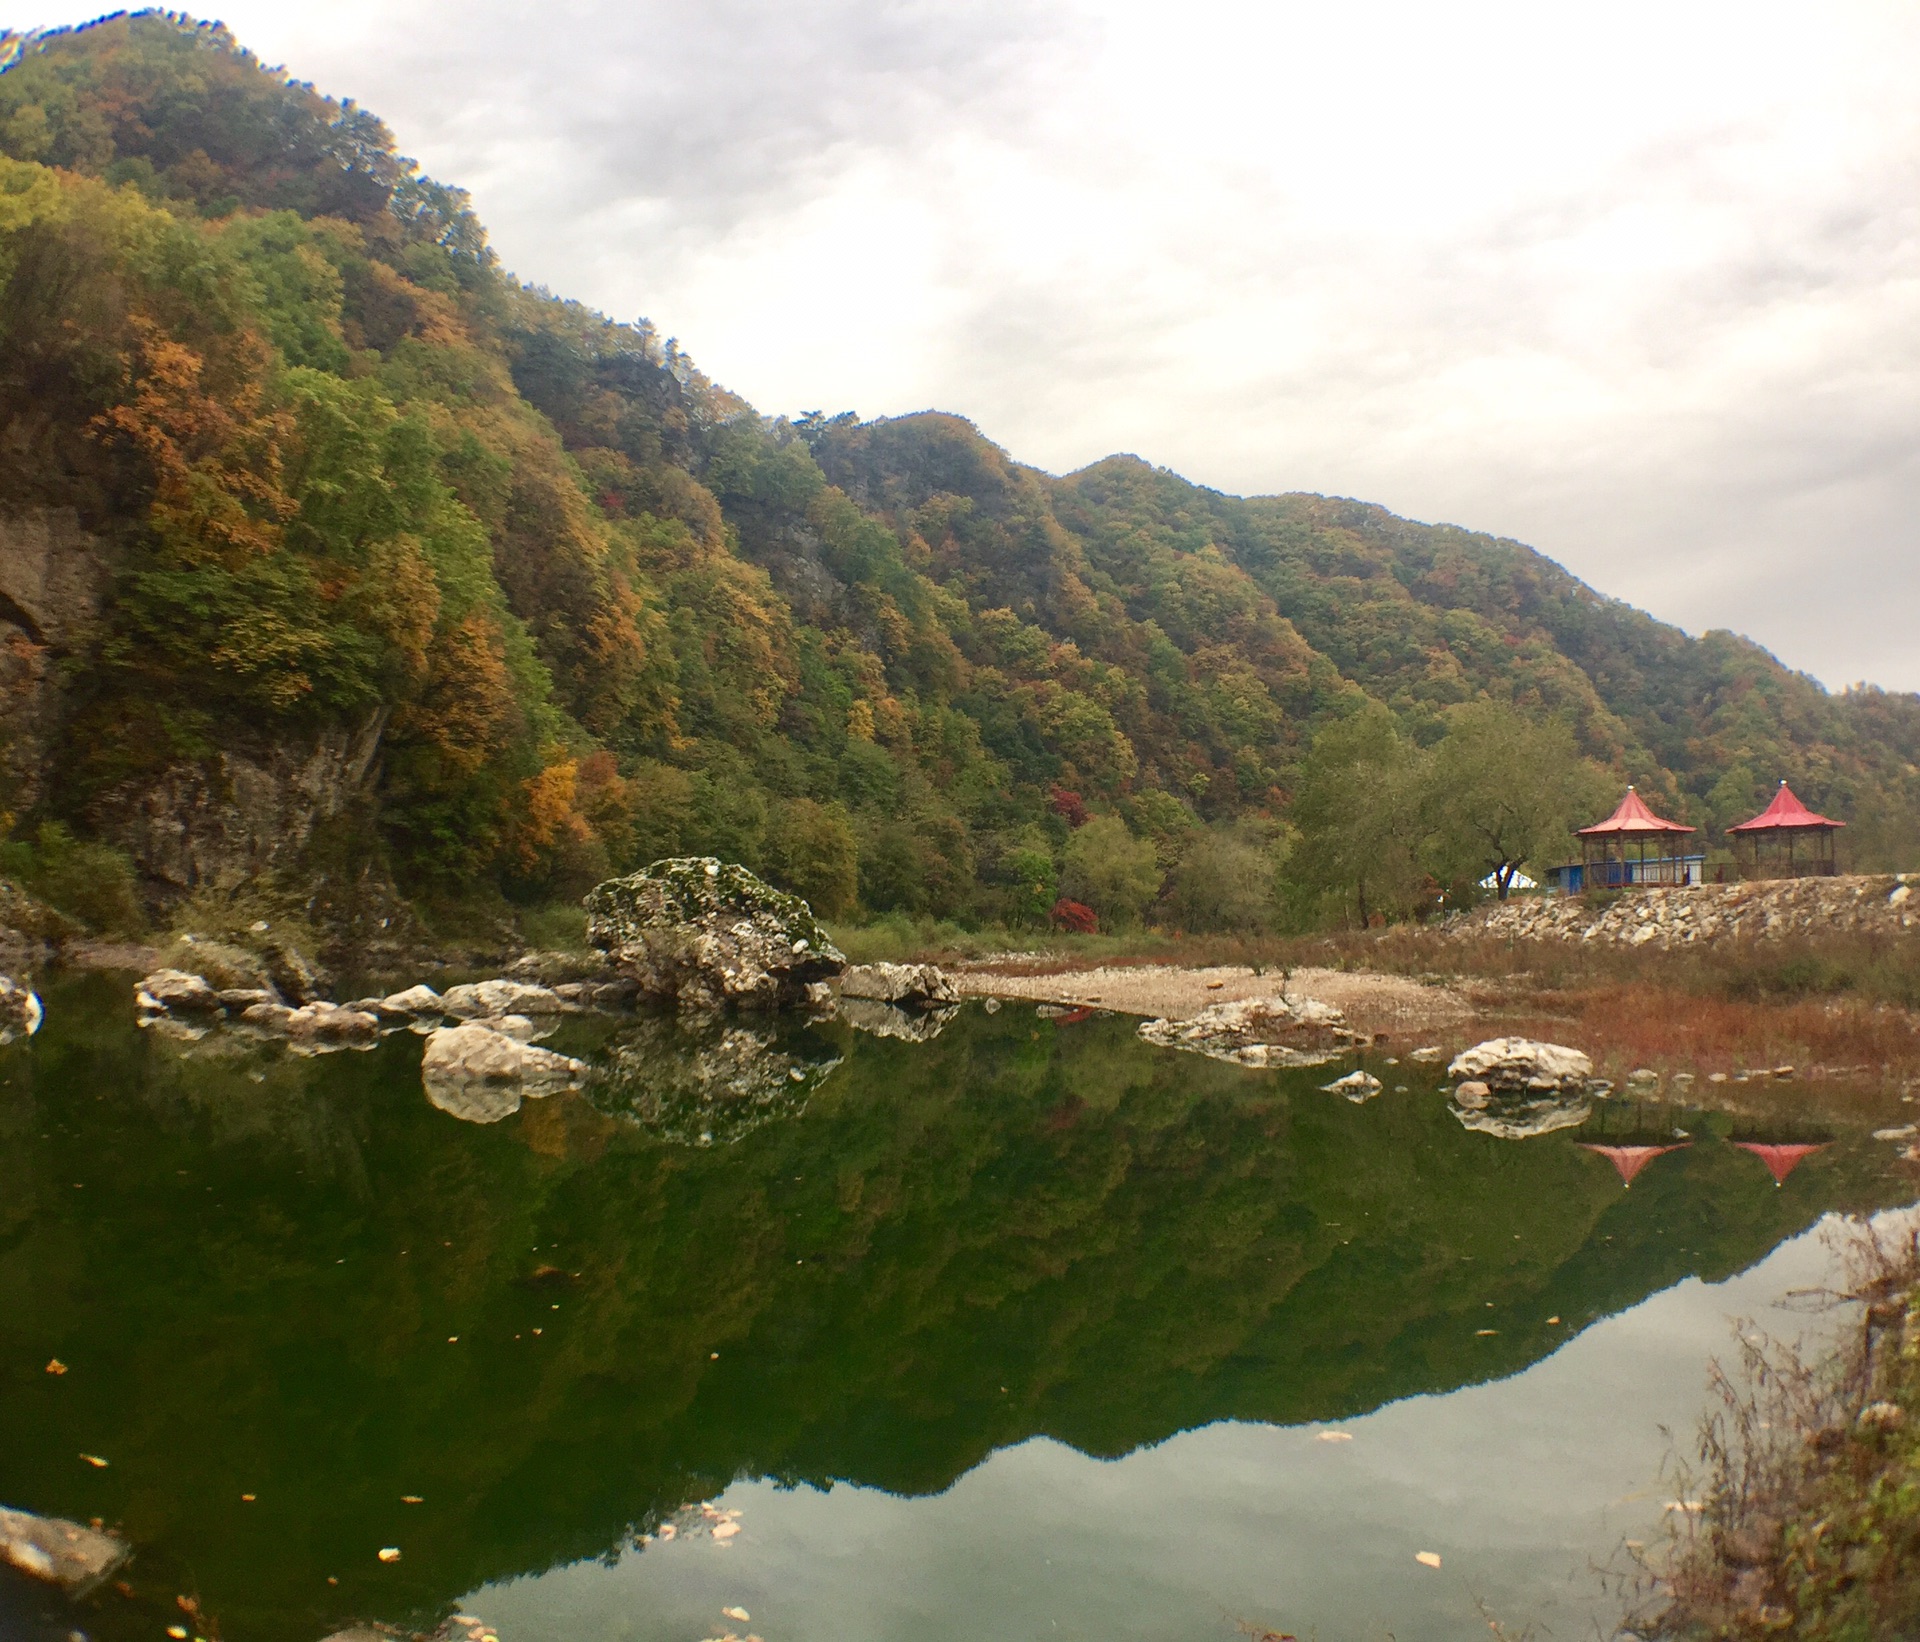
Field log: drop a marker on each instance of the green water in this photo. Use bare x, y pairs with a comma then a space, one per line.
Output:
927, 1314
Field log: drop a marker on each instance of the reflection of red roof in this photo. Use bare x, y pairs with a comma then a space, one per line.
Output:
1785, 811
1781, 1161
1633, 816
1630, 1160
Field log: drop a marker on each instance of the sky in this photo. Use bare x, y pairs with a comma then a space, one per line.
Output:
1635, 283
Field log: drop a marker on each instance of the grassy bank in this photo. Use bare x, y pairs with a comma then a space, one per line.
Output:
1808, 1495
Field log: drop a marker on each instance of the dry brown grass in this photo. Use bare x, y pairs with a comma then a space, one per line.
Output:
1803, 1514
1630, 1024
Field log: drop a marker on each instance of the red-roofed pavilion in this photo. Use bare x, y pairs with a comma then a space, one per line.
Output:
1634, 846
1786, 840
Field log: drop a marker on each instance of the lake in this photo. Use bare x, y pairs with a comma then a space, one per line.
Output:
1030, 1330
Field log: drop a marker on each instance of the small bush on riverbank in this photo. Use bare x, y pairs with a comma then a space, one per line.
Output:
91, 882
1808, 1520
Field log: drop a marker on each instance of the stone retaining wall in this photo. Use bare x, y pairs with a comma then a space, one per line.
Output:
1869, 905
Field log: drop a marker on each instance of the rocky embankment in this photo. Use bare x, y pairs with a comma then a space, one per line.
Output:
1772, 910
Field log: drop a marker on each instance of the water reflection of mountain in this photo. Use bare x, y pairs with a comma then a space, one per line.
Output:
296, 1279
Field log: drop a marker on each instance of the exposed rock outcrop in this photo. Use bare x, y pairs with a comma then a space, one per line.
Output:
706, 934
1522, 1065
1259, 1032
241, 814
51, 574
908, 986
480, 1074
67, 1554
1767, 910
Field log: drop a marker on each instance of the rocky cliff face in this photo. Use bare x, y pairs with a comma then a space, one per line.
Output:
241, 815
1871, 905
51, 577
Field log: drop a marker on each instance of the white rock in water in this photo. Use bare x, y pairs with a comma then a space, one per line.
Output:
709, 936
175, 992
322, 1026
912, 986
1357, 1086
415, 1001
1508, 1064
479, 1074
20, 1011
61, 1552
1258, 1032
484, 999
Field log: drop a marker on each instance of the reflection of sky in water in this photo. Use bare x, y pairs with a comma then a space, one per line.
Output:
1520, 1485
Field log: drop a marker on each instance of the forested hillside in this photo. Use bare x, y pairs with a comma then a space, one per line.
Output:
324, 543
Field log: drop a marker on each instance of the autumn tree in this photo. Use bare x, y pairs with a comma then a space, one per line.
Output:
1107, 868
1504, 790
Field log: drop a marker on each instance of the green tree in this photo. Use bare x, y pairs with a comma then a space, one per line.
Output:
810, 849
1226, 881
1503, 790
1357, 806
1110, 870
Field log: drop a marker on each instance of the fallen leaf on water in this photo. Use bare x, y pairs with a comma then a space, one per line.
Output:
735, 1613
177, 1632
246, 1499
415, 1499
1334, 1436
1427, 1559
1553, 1319
389, 1553
725, 1530
1480, 1332
95, 1460
55, 1366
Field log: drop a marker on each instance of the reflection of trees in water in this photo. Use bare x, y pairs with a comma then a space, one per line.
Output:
1130, 1243
707, 1080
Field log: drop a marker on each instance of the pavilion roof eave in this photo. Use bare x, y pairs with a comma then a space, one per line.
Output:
1633, 817
1787, 814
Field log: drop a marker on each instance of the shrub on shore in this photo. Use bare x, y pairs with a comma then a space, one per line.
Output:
1808, 1519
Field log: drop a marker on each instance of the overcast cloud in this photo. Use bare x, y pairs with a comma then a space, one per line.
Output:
1636, 283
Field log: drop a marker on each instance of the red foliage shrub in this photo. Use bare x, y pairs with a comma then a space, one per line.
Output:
1073, 917
1069, 804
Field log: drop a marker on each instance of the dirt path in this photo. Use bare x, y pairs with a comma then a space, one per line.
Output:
1393, 1004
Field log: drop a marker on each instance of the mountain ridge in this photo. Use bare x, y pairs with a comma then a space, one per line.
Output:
315, 474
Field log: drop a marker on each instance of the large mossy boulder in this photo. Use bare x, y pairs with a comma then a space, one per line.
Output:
706, 934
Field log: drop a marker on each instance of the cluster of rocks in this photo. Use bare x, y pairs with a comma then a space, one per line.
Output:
1259, 1032
1518, 1087
20, 1011
1685, 916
